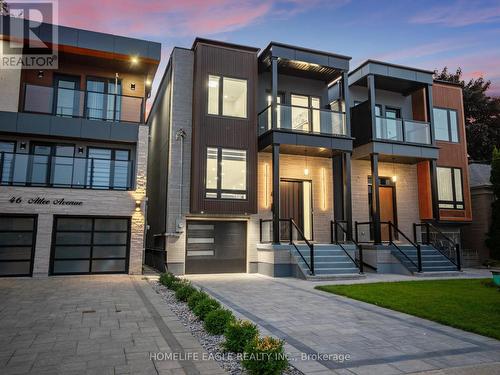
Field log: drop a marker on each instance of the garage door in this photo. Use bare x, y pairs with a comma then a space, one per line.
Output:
17, 245
85, 245
216, 247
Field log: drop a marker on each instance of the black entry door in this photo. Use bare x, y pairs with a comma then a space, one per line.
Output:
17, 244
291, 207
216, 246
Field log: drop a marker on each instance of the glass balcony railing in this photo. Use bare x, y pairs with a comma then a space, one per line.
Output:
61, 171
395, 129
303, 119
91, 105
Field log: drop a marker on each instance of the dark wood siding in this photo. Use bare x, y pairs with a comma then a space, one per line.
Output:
454, 154
209, 130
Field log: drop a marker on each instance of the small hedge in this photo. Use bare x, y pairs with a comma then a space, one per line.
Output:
205, 306
168, 279
184, 292
216, 321
195, 298
265, 356
180, 283
238, 334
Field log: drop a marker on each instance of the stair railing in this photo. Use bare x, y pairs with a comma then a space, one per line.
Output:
334, 226
301, 237
436, 245
394, 228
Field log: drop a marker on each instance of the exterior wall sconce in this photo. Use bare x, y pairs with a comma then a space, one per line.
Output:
134, 60
323, 188
23, 146
41, 73
137, 205
80, 150
132, 86
266, 191
394, 178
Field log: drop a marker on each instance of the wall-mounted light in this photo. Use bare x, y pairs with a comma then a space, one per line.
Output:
266, 188
134, 60
23, 146
148, 82
80, 150
41, 73
323, 187
132, 86
394, 178
137, 205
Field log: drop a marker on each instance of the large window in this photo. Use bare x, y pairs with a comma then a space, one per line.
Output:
227, 96
226, 175
108, 168
450, 193
445, 125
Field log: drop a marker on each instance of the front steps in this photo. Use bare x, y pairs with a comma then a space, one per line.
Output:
330, 262
433, 262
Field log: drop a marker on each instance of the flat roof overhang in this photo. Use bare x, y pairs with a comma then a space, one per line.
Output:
397, 152
304, 62
391, 77
304, 144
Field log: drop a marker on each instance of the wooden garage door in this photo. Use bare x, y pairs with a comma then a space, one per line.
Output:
17, 245
216, 246
89, 245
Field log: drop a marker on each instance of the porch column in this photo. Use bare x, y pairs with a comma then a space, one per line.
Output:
276, 193
434, 189
377, 233
345, 92
274, 91
342, 205
430, 111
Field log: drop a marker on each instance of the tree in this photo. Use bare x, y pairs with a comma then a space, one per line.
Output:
4, 8
493, 238
482, 113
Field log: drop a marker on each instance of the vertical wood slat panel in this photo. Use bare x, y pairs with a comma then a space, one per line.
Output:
209, 130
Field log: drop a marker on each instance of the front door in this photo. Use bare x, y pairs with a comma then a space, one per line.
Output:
386, 209
296, 204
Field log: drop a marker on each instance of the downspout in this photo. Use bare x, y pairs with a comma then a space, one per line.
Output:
180, 135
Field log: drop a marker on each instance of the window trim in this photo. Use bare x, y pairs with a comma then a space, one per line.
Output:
454, 202
220, 95
219, 191
448, 119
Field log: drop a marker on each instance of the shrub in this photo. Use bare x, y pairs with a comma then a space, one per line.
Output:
179, 283
195, 298
205, 306
238, 334
168, 279
184, 292
265, 356
216, 321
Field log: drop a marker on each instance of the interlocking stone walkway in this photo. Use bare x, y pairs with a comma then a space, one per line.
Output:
91, 325
379, 341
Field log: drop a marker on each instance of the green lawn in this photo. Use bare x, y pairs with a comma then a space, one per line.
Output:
469, 304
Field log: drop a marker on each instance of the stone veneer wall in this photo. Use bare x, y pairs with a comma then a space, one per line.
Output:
94, 203
406, 192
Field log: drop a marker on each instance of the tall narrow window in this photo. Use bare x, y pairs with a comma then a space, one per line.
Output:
450, 193
226, 173
445, 124
232, 94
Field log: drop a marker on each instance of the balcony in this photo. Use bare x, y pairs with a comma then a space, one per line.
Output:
303, 120
19, 169
395, 129
89, 105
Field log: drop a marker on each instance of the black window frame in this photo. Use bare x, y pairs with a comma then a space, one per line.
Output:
448, 119
220, 94
453, 202
219, 191
107, 81
112, 160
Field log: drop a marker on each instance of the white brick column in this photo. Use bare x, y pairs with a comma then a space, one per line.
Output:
42, 245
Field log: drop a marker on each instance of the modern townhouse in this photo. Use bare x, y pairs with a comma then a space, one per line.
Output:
283, 162
73, 156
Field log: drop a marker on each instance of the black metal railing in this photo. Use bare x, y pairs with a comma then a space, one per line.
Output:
335, 225
394, 229
156, 258
65, 102
19, 169
289, 232
440, 241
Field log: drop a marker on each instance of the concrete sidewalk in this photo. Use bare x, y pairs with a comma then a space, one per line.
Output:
91, 325
378, 340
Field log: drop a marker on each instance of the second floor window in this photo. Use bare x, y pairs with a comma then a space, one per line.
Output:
103, 99
227, 96
450, 194
226, 175
445, 124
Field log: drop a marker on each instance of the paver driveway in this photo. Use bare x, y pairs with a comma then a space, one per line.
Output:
379, 341
90, 325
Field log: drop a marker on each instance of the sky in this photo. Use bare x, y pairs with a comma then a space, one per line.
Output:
419, 33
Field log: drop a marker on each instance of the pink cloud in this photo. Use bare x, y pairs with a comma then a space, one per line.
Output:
460, 13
